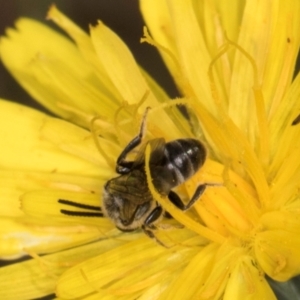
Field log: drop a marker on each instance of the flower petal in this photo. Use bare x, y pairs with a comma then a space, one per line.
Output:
196, 271
50, 68
12, 185
126, 76
108, 92
231, 16
217, 270
284, 137
266, 30
131, 268
44, 204
156, 15
288, 220
189, 60
277, 252
33, 141
22, 236
193, 54
36, 278
247, 282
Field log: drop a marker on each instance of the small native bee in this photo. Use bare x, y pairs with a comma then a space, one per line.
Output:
127, 200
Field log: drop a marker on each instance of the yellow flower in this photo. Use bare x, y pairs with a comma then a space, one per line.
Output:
234, 67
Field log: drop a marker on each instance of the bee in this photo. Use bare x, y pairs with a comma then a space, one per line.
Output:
127, 200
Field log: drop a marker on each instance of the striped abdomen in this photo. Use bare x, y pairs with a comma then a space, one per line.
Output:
182, 159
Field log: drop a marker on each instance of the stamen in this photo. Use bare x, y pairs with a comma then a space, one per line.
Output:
177, 74
148, 39
133, 112
109, 160
215, 96
261, 113
251, 207
116, 122
73, 110
245, 155
45, 265
89, 283
140, 103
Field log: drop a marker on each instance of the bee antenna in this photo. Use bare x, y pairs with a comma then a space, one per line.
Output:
80, 213
75, 213
79, 205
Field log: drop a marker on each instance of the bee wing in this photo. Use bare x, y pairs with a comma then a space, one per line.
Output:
161, 176
162, 179
157, 153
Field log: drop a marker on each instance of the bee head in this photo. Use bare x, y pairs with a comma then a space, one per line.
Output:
125, 214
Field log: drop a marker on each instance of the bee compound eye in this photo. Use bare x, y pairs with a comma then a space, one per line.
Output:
125, 222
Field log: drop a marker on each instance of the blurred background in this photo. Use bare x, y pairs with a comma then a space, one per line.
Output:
122, 16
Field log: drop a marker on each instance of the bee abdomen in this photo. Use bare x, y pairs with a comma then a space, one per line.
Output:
184, 157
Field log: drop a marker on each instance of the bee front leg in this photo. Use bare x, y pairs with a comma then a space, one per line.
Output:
123, 166
148, 225
176, 200
151, 235
155, 214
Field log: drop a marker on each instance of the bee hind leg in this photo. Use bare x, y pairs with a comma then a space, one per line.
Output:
176, 200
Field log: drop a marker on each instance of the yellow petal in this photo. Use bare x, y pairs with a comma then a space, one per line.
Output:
157, 18
218, 271
126, 270
126, 75
196, 271
94, 274
14, 184
266, 29
109, 93
231, 16
44, 204
192, 51
118, 63
285, 186
247, 282
277, 252
36, 278
168, 23
283, 45
19, 236
33, 141
284, 137
50, 68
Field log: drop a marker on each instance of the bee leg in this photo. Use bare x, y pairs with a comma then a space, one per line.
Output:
154, 216
123, 166
168, 215
151, 235
176, 200
148, 225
